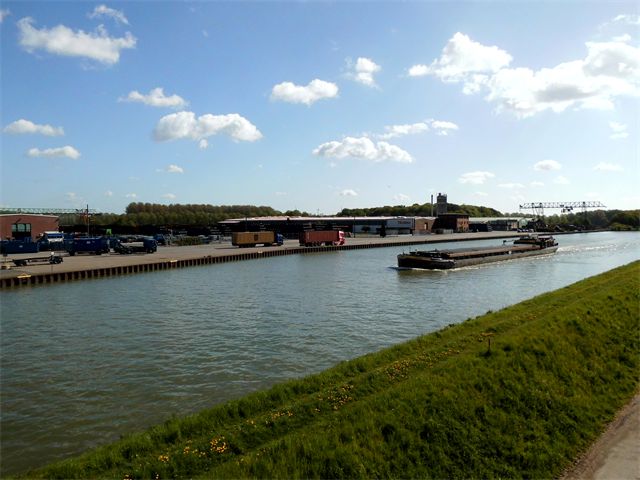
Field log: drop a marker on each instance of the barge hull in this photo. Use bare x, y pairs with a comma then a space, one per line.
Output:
409, 261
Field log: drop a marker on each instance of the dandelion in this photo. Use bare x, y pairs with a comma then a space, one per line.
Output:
218, 445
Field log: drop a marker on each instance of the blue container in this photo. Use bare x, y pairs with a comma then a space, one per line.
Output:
96, 245
8, 247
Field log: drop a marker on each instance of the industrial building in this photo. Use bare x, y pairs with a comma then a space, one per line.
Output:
24, 225
291, 227
502, 224
451, 223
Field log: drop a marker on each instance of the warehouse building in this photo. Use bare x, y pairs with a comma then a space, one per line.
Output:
291, 227
503, 224
23, 225
451, 222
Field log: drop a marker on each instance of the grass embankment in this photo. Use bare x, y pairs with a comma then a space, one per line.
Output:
444, 405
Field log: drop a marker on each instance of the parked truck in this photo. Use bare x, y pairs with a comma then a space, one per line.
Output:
147, 245
251, 239
95, 245
316, 238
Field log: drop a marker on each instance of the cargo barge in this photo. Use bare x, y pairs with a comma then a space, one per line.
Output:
525, 246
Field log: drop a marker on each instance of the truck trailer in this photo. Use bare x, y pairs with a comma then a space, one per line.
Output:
316, 238
251, 239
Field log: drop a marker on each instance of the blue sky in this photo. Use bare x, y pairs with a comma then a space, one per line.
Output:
319, 106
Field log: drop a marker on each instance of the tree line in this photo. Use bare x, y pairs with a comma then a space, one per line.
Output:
418, 210
140, 214
597, 219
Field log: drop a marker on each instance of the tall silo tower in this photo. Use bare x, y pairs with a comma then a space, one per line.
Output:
441, 204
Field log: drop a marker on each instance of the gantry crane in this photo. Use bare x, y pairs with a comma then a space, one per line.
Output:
538, 207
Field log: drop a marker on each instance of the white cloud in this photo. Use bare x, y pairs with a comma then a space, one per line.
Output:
131, 195
4, 13
108, 193
314, 91
609, 70
511, 186
607, 167
537, 184
619, 130
418, 71
547, 165
281, 194
170, 169
348, 193
394, 131
155, 98
443, 128
169, 196
364, 70
66, 151
560, 180
186, 125
401, 197
363, 148
26, 126
203, 144
104, 11
174, 169
61, 40
481, 194
627, 19
461, 57
475, 178
440, 127
626, 38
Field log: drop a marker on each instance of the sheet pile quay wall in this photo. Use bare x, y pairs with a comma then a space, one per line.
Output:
58, 273
25, 279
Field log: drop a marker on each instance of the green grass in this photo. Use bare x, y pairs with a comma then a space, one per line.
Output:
445, 405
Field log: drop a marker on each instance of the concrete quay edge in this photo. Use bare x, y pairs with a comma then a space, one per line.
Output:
82, 267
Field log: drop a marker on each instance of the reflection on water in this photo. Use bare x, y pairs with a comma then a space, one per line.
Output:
84, 362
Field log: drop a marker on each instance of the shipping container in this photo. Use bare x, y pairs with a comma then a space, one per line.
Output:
19, 246
317, 238
96, 245
251, 239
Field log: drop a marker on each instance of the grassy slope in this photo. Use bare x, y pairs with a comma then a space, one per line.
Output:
443, 405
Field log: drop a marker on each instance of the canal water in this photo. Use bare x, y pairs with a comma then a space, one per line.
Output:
84, 362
